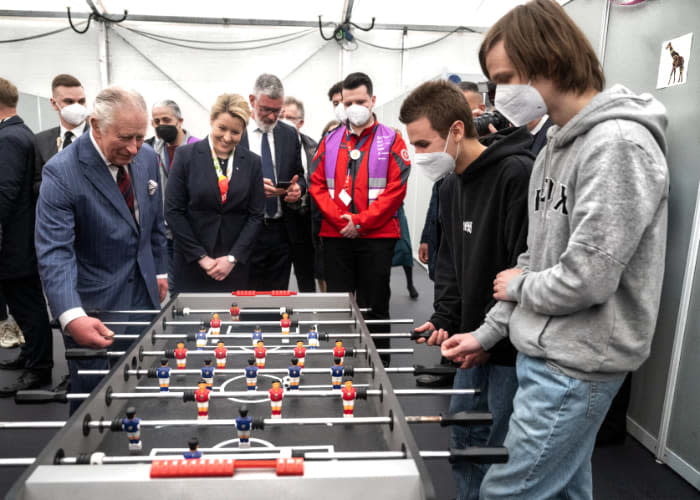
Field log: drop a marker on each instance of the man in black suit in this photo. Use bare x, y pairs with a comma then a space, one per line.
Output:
283, 180
304, 249
19, 276
68, 99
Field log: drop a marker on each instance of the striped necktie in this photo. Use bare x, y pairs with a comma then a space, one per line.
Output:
124, 183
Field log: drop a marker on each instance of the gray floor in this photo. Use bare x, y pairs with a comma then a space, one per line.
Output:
620, 472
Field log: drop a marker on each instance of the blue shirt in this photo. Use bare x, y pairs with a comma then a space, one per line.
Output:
131, 424
294, 371
163, 372
207, 371
189, 455
243, 423
251, 371
312, 335
337, 371
257, 336
201, 336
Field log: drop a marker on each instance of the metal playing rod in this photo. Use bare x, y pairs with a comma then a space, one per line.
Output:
271, 335
480, 455
402, 321
88, 353
416, 370
186, 311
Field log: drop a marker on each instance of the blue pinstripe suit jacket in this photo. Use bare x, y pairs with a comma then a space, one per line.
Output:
87, 243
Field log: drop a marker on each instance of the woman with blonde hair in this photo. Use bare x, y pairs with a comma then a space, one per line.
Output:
214, 204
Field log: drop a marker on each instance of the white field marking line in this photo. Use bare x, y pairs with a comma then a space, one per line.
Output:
222, 388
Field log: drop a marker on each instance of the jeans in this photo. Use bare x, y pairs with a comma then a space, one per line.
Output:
550, 435
498, 384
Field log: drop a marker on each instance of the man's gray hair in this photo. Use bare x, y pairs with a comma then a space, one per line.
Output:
172, 105
110, 99
289, 100
269, 85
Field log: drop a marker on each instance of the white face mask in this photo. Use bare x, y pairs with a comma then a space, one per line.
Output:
519, 103
340, 113
74, 114
358, 115
436, 165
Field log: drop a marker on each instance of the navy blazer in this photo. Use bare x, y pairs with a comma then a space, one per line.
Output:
90, 250
200, 223
287, 165
16, 200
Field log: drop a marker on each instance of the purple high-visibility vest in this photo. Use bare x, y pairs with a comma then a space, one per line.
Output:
379, 154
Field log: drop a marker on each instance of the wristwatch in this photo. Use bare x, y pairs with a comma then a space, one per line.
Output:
231, 259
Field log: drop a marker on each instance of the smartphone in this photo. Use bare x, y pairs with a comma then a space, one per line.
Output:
283, 184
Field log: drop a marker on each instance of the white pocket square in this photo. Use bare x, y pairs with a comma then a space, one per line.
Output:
152, 187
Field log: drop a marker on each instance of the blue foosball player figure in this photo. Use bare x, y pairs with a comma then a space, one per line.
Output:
312, 337
257, 335
243, 425
251, 375
337, 374
163, 374
294, 374
132, 425
208, 374
201, 336
194, 452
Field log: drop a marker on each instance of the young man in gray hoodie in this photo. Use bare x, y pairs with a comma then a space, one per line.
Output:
581, 304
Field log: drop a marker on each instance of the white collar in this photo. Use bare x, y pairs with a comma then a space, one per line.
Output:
99, 151
77, 131
539, 125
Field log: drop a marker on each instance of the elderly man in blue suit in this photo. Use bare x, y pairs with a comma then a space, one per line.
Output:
100, 237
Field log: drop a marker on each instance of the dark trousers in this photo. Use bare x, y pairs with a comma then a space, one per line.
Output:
25, 299
362, 266
271, 260
86, 383
171, 266
3, 307
303, 255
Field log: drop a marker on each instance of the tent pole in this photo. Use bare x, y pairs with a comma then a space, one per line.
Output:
104, 55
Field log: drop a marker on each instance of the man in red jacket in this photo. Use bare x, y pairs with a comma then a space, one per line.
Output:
359, 183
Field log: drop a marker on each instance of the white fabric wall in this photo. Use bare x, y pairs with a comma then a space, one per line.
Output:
307, 66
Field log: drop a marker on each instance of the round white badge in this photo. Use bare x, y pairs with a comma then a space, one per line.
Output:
355, 154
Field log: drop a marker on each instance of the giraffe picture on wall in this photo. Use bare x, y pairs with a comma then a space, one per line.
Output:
674, 61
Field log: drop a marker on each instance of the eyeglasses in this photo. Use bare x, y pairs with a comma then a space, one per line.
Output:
264, 111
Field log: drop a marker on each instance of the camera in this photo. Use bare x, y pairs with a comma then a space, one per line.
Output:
495, 118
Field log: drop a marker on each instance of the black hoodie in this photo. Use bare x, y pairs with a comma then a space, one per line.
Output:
483, 213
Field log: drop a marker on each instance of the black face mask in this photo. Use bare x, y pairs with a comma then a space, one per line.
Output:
167, 132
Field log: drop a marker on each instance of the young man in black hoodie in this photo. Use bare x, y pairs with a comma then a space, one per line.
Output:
483, 212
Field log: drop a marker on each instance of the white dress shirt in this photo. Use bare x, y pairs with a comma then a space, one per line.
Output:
255, 145
77, 132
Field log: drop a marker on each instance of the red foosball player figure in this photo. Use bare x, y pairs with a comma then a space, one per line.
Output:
220, 353
132, 425
201, 395
251, 375
181, 356
339, 351
193, 453
348, 393
300, 353
260, 353
285, 323
235, 312
276, 395
215, 324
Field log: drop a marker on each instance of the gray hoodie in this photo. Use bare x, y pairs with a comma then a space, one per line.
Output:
588, 298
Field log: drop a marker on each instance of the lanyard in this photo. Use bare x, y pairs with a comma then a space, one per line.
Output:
222, 179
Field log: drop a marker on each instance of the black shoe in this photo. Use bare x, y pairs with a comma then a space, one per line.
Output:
29, 379
14, 364
412, 292
63, 385
435, 380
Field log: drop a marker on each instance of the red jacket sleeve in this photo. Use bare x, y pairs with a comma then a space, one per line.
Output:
319, 190
387, 204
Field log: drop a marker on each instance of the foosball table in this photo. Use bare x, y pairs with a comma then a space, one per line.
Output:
252, 396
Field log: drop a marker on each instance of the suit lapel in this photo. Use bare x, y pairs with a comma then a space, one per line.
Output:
98, 174
277, 135
208, 176
244, 139
139, 183
51, 145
